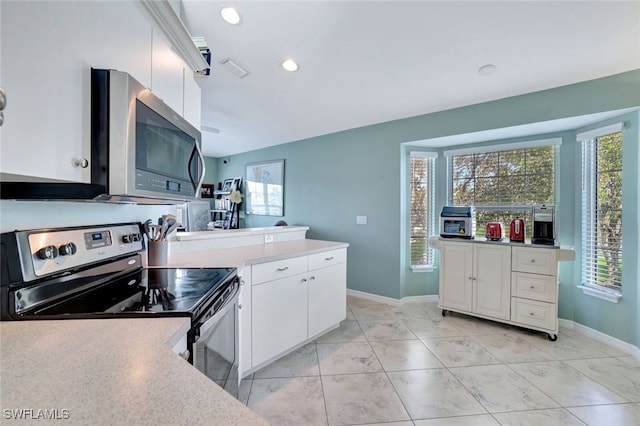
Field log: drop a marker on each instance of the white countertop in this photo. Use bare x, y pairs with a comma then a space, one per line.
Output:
235, 233
108, 372
250, 255
565, 253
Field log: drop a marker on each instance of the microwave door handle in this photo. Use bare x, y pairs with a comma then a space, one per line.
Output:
198, 152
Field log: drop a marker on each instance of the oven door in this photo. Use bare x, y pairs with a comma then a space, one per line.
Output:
215, 349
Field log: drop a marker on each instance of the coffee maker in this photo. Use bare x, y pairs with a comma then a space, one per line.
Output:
543, 225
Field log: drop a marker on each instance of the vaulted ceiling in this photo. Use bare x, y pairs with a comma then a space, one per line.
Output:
367, 62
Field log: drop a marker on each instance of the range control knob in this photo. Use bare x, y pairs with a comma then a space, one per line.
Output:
68, 249
130, 238
48, 252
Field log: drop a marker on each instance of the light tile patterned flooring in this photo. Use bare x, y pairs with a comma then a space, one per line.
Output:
409, 365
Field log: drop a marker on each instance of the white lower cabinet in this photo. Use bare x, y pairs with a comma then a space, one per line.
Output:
291, 302
512, 284
327, 290
279, 316
475, 278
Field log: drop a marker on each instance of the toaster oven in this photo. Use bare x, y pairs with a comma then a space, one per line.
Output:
458, 222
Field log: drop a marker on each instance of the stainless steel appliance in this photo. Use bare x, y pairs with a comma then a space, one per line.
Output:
140, 148
543, 225
96, 272
517, 231
494, 231
458, 222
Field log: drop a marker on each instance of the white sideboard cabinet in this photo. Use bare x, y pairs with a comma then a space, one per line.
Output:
508, 282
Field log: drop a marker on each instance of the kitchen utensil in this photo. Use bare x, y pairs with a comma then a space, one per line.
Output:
495, 231
516, 230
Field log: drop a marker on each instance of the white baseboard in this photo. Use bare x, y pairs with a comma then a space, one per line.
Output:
602, 337
391, 300
572, 325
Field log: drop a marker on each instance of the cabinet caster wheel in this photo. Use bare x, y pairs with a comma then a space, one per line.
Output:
552, 337
444, 313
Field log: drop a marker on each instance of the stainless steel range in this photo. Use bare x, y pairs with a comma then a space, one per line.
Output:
97, 272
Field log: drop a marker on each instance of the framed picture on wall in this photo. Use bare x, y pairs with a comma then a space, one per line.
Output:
206, 191
264, 184
227, 186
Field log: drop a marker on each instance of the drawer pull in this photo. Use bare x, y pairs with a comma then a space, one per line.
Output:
533, 287
286, 268
533, 261
304, 280
328, 258
531, 313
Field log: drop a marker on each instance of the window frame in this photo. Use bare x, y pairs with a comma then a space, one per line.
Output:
431, 228
589, 218
525, 209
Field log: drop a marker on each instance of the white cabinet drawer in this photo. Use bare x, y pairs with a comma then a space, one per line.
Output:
534, 260
534, 286
534, 313
270, 271
327, 258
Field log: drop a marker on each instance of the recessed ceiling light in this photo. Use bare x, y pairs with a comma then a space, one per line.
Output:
290, 65
487, 69
231, 16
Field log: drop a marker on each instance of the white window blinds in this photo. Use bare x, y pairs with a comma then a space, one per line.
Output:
422, 199
602, 207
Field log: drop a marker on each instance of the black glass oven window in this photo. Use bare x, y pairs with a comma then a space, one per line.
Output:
161, 147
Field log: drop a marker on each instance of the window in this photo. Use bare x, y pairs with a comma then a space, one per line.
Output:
422, 219
504, 184
602, 208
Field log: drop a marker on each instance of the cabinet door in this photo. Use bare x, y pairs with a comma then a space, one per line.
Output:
492, 280
279, 317
48, 49
167, 73
456, 275
327, 298
244, 320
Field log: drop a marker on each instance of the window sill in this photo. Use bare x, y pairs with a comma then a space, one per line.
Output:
604, 294
417, 269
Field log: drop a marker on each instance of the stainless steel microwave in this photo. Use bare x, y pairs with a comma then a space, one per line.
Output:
141, 150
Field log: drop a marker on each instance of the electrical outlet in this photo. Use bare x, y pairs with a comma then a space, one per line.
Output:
361, 220
268, 238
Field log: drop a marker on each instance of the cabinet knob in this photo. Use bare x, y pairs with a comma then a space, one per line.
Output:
240, 306
312, 278
82, 162
533, 287
3, 99
304, 280
184, 355
533, 261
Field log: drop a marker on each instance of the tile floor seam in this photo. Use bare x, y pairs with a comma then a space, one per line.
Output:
324, 398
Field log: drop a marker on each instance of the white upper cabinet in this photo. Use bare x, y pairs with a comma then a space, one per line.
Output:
167, 73
48, 50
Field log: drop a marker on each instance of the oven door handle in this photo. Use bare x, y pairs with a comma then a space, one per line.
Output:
233, 295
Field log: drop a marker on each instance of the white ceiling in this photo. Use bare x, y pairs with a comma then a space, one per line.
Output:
363, 62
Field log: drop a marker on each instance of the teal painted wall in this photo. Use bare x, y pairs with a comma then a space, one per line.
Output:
331, 179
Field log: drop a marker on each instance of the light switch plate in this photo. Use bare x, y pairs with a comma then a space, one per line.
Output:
361, 220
